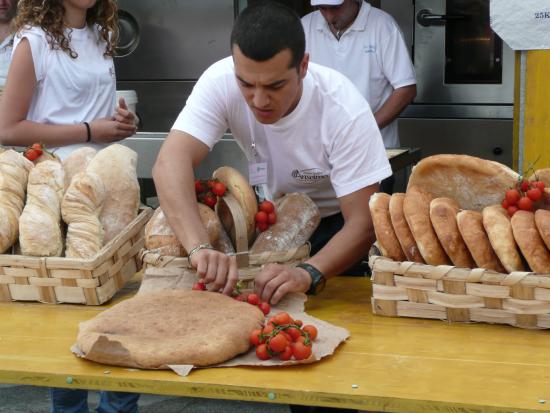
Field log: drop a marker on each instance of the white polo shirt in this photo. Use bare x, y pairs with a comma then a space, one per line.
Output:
329, 146
371, 53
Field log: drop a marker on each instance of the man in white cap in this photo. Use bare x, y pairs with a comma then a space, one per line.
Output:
365, 44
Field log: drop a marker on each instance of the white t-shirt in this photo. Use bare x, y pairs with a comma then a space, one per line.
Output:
329, 146
5, 58
371, 53
70, 91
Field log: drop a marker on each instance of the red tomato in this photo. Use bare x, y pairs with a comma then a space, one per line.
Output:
271, 320
300, 351
512, 210
278, 343
298, 323
524, 186
265, 307
311, 330
505, 204
253, 299
260, 217
199, 286
283, 318
262, 353
294, 333
255, 337
512, 196
32, 154
271, 218
286, 354
219, 189
262, 226
267, 206
240, 297
210, 183
534, 194
539, 184
268, 329
210, 200
198, 187
38, 147
525, 204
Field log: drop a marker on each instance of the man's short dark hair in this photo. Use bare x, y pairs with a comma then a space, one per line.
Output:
266, 28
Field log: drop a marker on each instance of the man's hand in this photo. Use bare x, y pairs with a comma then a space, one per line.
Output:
216, 269
275, 281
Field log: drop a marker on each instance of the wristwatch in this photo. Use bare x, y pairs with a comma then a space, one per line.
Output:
318, 280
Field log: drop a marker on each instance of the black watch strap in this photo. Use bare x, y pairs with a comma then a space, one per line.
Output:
317, 278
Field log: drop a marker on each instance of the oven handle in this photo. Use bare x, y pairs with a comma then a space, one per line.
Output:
426, 18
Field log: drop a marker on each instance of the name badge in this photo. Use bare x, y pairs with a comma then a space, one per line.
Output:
257, 173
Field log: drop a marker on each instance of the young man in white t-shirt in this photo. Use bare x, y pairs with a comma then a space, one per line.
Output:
292, 116
365, 44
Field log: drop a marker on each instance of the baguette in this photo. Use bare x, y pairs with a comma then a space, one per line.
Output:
14, 173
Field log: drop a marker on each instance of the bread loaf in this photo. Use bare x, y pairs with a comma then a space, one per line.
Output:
530, 242
40, 223
297, 219
160, 238
473, 182
443, 216
499, 230
116, 166
80, 209
238, 186
416, 209
388, 244
542, 221
14, 173
470, 225
77, 162
402, 230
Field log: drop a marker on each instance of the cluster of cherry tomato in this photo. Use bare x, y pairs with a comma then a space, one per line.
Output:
523, 197
284, 338
209, 190
33, 152
266, 216
253, 299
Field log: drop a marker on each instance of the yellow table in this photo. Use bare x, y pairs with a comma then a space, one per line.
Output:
388, 364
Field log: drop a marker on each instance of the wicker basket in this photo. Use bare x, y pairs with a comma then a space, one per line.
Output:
181, 273
407, 289
70, 280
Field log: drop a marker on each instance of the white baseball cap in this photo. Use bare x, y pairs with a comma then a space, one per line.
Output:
326, 2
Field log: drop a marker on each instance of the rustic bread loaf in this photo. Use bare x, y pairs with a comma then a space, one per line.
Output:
77, 162
416, 209
530, 242
470, 225
160, 238
116, 166
40, 223
443, 216
388, 243
14, 173
238, 186
473, 182
297, 219
402, 230
80, 209
157, 329
499, 230
542, 221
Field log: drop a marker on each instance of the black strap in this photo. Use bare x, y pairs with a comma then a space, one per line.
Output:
89, 132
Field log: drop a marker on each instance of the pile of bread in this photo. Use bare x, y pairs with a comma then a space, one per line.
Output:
297, 219
95, 194
452, 214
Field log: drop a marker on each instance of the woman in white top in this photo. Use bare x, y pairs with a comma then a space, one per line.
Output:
61, 91
61, 86
7, 11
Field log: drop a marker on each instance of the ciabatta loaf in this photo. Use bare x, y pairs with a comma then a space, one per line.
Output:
473, 182
80, 209
40, 223
14, 173
116, 166
77, 162
297, 219
379, 205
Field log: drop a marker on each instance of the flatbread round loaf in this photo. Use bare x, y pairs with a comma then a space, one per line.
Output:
402, 230
499, 230
379, 205
542, 220
416, 208
470, 225
530, 242
157, 329
443, 216
473, 182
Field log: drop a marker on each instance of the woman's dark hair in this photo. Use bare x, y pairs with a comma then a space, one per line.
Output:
265, 28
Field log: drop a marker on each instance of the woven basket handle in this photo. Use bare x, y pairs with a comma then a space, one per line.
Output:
240, 227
